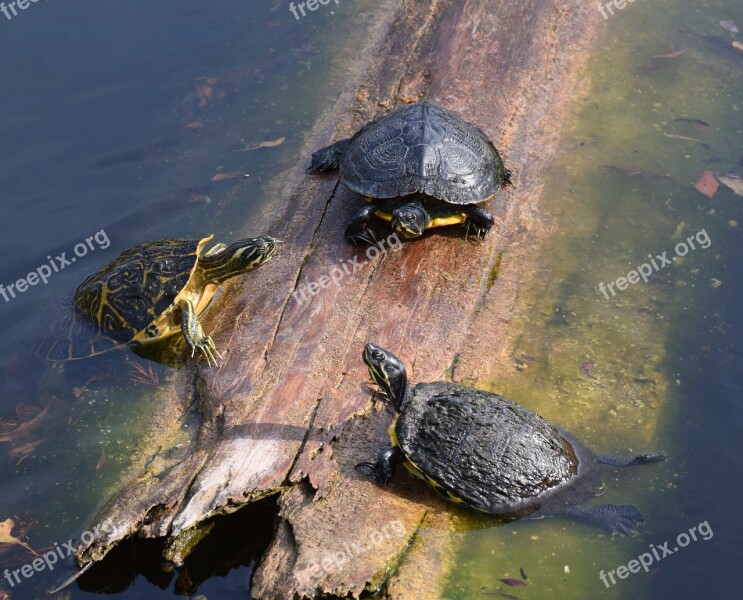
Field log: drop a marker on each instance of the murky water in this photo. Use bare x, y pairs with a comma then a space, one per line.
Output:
143, 121
653, 366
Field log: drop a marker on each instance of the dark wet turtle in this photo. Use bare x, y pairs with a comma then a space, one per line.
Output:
421, 166
482, 451
148, 293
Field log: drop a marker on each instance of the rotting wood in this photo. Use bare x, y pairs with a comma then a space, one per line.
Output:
288, 410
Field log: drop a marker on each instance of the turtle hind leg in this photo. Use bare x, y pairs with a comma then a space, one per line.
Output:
326, 159
616, 460
356, 230
383, 469
624, 519
194, 334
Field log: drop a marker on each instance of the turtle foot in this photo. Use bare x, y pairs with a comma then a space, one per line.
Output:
207, 347
614, 460
360, 237
623, 519
374, 471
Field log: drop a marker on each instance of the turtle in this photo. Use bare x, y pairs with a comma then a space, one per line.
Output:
483, 452
421, 166
148, 293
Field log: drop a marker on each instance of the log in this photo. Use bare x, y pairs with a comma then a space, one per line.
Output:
288, 412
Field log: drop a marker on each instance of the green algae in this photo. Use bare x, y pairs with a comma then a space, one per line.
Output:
620, 190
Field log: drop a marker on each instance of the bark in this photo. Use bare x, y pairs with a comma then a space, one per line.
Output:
288, 411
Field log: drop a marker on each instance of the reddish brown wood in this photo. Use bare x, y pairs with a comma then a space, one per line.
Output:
288, 411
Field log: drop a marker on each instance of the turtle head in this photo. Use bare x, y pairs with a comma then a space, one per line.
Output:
240, 257
410, 220
388, 373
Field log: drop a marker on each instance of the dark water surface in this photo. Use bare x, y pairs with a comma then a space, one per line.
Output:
123, 123
120, 124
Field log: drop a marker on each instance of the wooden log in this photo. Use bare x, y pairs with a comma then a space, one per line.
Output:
288, 411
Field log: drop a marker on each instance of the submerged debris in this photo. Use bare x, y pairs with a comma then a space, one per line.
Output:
513, 582
734, 182
586, 367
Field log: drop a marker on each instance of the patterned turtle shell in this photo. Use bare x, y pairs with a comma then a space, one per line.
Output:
426, 149
116, 304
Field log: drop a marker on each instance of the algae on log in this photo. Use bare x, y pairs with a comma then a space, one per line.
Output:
288, 411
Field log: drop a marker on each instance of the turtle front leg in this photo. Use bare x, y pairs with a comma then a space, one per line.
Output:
326, 159
479, 219
194, 334
356, 230
383, 469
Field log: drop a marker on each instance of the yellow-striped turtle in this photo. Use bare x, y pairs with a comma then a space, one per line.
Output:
419, 167
479, 450
150, 292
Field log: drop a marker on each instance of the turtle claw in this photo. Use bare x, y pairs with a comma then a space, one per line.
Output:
207, 347
365, 236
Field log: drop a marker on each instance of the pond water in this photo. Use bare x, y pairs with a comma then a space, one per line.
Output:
654, 366
138, 121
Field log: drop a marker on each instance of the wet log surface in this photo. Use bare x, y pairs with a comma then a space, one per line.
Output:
289, 411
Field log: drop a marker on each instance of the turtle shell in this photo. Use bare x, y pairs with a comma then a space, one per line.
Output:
478, 448
118, 302
423, 149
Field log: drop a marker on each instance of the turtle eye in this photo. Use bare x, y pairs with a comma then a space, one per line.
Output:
377, 355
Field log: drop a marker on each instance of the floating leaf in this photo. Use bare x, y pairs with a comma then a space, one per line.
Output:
268, 144
734, 182
6, 536
672, 54
513, 582
223, 176
707, 184
730, 26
